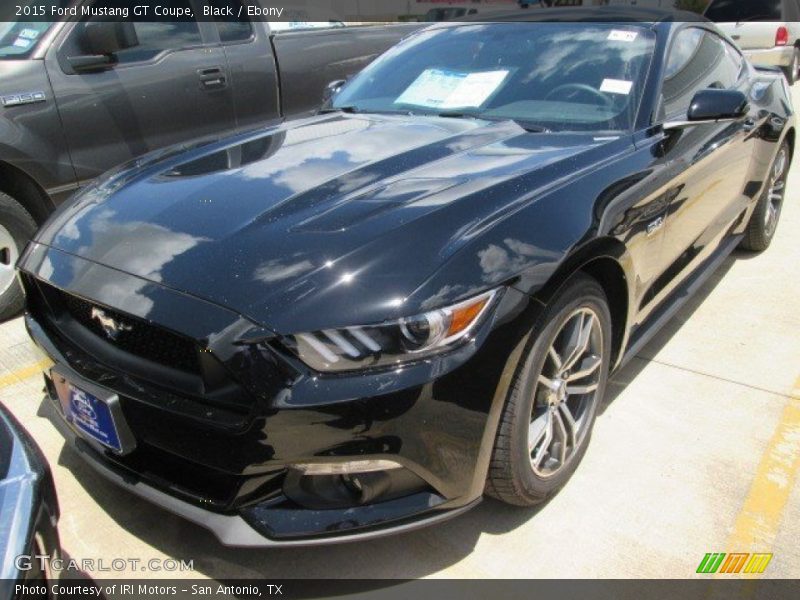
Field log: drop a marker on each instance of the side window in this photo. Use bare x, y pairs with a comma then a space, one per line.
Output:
156, 37
231, 28
698, 59
735, 57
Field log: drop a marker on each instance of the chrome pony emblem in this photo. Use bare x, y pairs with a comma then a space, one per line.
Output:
111, 328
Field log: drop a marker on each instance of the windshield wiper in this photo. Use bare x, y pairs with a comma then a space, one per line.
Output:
458, 115
531, 127
349, 109
526, 125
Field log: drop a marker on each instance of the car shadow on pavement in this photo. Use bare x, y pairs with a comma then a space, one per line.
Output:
404, 556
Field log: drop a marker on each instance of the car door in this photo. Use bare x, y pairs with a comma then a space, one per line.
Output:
711, 161
170, 88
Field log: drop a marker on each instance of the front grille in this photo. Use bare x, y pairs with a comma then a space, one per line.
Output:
135, 336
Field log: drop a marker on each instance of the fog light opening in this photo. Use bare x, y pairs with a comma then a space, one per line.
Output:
349, 483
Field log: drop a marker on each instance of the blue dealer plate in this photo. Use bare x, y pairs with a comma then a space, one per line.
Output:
93, 417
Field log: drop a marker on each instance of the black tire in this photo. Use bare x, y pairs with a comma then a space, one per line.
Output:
16, 228
511, 477
791, 71
766, 216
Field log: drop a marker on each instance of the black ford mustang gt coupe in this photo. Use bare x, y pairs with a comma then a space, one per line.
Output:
361, 322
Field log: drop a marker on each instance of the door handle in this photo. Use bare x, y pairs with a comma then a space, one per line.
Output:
212, 78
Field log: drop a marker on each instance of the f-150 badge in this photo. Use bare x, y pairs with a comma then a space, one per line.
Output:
26, 98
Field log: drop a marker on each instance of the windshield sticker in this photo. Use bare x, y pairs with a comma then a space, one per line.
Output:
29, 34
21, 43
616, 86
437, 88
622, 36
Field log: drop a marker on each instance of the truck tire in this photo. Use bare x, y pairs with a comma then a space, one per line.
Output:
16, 228
790, 72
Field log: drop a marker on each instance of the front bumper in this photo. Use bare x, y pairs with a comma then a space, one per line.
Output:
780, 56
229, 463
230, 530
274, 522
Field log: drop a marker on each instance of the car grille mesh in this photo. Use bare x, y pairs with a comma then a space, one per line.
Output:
137, 337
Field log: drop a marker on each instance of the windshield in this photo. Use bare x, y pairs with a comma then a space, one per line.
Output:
18, 38
557, 76
729, 11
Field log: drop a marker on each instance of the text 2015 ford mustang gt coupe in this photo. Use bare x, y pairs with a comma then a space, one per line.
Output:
363, 321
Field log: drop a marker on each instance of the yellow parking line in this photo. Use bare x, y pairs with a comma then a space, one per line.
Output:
24, 373
760, 517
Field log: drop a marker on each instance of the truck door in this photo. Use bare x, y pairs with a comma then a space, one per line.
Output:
251, 65
172, 87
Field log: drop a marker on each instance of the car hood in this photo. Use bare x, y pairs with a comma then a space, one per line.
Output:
336, 219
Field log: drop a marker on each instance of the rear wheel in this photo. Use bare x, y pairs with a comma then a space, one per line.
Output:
790, 72
16, 228
764, 221
551, 408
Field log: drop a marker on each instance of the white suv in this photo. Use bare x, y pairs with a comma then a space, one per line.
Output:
767, 31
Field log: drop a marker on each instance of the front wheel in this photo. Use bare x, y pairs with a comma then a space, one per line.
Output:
551, 407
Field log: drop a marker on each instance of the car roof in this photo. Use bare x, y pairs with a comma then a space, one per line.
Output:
595, 14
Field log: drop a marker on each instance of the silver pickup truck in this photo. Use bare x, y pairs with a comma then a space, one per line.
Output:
767, 31
79, 97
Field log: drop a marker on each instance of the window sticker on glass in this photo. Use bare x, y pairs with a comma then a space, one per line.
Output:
21, 43
437, 88
617, 35
617, 86
29, 34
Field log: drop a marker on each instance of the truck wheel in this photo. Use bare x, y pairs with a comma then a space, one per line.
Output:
16, 228
551, 407
791, 71
764, 221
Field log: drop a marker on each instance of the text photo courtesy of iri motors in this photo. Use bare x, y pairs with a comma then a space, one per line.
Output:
333, 298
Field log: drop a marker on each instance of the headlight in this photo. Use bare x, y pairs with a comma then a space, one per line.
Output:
391, 343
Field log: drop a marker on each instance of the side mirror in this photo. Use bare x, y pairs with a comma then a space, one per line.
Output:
331, 90
102, 40
714, 106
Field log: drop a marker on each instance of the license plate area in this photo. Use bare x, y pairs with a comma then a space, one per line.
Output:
92, 411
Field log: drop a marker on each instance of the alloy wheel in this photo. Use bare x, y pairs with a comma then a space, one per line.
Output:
776, 192
565, 394
9, 252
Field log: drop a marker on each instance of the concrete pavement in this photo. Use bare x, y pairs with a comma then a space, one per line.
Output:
697, 450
